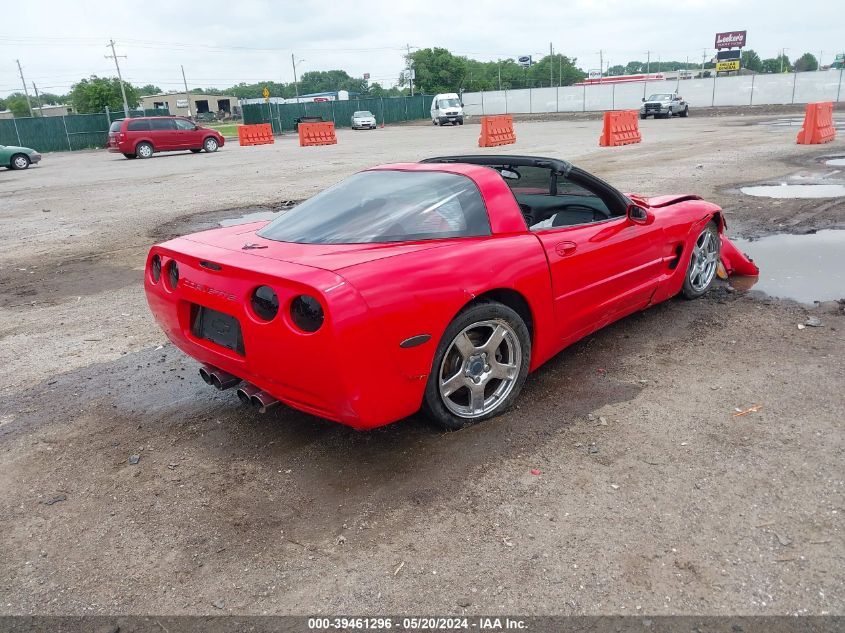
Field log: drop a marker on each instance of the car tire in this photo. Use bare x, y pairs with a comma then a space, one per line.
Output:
685, 113
461, 355
704, 260
144, 150
19, 161
461, 122
210, 145
668, 115
130, 156
196, 151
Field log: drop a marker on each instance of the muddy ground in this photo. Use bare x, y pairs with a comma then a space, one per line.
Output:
652, 496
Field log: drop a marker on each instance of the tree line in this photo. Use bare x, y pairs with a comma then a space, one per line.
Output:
435, 70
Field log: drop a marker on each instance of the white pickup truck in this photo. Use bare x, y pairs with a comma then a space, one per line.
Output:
665, 105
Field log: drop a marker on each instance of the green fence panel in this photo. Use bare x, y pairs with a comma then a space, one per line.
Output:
388, 110
63, 133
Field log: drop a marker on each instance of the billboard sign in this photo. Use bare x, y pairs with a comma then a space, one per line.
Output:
728, 54
730, 39
724, 67
524, 60
594, 74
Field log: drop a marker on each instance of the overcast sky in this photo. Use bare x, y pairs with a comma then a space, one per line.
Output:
224, 43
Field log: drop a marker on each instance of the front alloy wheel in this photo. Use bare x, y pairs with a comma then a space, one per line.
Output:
20, 161
703, 262
480, 366
210, 145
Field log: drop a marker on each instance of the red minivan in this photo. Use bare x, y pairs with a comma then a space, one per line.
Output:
142, 137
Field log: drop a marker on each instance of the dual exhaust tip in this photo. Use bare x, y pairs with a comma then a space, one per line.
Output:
248, 394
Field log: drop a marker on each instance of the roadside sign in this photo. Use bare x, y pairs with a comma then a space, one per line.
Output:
594, 74
265, 92
730, 39
723, 67
366, 76
524, 60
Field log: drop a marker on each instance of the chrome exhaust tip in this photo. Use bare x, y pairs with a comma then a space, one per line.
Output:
263, 401
218, 378
246, 393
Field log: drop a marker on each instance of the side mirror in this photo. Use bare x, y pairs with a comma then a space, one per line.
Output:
643, 99
638, 215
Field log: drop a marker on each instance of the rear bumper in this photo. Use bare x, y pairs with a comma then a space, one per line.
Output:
343, 372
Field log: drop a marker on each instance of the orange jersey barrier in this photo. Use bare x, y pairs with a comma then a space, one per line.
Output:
317, 134
818, 124
620, 128
496, 130
258, 134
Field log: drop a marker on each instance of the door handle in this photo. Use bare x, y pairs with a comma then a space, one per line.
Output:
565, 248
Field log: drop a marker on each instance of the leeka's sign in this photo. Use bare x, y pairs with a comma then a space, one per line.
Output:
731, 39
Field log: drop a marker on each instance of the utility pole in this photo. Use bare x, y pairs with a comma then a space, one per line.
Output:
25, 91
410, 69
703, 57
601, 64
295, 84
187, 94
38, 99
114, 56
782, 56
551, 65
499, 65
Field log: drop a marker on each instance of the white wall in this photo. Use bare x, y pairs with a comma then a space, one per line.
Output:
826, 85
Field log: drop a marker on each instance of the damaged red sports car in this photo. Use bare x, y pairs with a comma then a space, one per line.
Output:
437, 285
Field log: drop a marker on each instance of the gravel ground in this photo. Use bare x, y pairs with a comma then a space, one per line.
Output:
652, 497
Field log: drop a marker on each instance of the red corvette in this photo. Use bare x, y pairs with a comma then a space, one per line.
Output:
436, 285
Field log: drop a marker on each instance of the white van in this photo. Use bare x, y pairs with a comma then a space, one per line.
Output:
447, 108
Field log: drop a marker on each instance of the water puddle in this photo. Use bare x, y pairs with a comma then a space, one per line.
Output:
797, 122
785, 190
806, 268
836, 162
250, 216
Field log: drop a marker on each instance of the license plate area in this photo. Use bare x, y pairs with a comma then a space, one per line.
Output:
217, 327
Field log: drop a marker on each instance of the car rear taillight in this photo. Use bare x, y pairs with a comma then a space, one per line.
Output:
173, 274
265, 303
306, 313
155, 268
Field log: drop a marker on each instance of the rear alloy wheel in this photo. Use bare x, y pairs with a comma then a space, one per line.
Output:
144, 150
20, 161
210, 145
479, 367
703, 262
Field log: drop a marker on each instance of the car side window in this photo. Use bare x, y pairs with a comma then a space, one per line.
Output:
184, 124
142, 125
162, 124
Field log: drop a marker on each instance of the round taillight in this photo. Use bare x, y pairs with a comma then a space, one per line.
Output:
307, 313
155, 268
265, 303
173, 274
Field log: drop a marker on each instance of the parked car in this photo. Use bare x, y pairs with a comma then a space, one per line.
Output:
437, 285
14, 157
664, 104
306, 119
144, 136
447, 108
363, 120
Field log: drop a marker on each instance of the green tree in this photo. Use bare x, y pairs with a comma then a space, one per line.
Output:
94, 94
635, 68
437, 70
17, 104
806, 62
777, 64
750, 60
616, 70
563, 71
149, 89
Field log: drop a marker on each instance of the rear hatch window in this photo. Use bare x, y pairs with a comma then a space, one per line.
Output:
114, 128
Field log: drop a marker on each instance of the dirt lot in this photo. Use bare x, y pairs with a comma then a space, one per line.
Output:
652, 497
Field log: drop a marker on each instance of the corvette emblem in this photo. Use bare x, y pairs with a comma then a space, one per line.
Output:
250, 246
